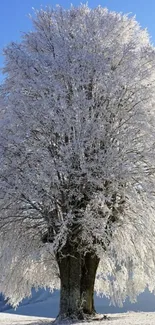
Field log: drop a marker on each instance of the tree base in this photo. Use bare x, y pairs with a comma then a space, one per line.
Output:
73, 319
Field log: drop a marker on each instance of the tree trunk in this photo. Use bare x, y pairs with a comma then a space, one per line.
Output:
77, 276
69, 263
89, 268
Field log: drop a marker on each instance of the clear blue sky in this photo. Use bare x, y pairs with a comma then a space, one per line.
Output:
14, 15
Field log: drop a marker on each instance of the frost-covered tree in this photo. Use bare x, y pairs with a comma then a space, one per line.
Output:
78, 159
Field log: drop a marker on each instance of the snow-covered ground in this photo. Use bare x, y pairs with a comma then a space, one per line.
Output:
9, 319
115, 319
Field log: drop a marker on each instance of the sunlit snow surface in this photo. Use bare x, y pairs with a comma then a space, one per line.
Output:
8, 319
115, 319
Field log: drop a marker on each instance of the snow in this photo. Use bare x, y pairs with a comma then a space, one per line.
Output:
115, 319
45, 304
8, 319
44, 307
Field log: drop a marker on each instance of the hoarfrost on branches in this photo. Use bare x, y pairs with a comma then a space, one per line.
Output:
77, 152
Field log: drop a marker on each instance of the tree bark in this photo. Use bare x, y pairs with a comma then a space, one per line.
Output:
77, 277
69, 263
89, 268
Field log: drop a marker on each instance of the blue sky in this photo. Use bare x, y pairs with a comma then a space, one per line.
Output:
14, 15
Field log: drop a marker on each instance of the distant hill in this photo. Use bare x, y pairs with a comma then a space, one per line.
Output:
3, 304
